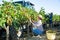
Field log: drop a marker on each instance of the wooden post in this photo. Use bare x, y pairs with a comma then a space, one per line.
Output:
28, 34
28, 30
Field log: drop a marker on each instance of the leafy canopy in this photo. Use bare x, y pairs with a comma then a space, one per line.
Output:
15, 13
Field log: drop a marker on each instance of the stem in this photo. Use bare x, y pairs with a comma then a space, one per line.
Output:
7, 33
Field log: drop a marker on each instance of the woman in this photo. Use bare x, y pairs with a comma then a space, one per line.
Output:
38, 29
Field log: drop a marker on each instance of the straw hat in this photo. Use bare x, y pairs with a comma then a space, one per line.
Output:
40, 17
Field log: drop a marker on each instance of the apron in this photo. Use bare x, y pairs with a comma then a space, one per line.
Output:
37, 29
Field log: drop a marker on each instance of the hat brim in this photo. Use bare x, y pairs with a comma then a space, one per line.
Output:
40, 18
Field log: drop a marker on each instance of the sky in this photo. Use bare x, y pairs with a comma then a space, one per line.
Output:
48, 5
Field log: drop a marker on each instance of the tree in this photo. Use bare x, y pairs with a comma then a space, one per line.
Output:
16, 14
56, 18
42, 12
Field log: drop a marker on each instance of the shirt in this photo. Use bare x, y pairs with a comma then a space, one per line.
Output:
38, 25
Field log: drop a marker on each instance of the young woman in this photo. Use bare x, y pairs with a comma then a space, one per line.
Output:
38, 28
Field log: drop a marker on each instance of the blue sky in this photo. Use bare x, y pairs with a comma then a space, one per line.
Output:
49, 5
